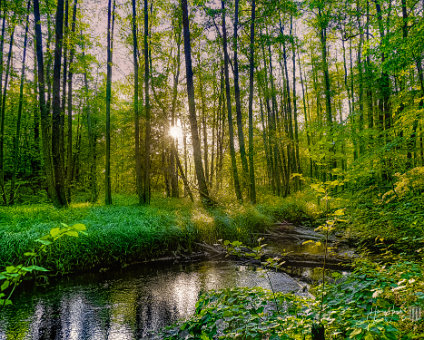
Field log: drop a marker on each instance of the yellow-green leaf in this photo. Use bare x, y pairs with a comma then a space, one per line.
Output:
72, 233
79, 227
54, 232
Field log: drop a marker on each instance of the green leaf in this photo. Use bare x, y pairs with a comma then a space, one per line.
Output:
5, 285
54, 232
356, 332
30, 254
79, 227
339, 212
38, 268
72, 233
44, 242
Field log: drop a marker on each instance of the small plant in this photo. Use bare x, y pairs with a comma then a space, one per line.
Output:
13, 276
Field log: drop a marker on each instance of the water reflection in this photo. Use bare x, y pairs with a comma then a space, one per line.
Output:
123, 305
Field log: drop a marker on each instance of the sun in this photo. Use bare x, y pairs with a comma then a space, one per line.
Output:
175, 132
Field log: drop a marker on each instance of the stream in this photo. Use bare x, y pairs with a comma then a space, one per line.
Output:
137, 301
130, 303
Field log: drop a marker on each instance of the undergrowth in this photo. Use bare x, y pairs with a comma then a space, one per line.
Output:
125, 233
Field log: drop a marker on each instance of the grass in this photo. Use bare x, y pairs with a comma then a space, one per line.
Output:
125, 232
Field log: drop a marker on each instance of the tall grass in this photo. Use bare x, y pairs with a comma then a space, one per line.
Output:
125, 232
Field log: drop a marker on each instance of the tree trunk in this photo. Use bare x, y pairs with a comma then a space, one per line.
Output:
44, 114
146, 178
69, 166
3, 115
239, 119
16, 139
17, 136
252, 190
58, 170
138, 171
230, 115
110, 26
203, 189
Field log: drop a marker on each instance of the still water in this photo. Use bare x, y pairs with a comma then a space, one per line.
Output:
130, 303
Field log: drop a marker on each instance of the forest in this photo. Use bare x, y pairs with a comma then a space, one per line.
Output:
133, 131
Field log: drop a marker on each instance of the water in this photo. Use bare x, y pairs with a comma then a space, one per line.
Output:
125, 304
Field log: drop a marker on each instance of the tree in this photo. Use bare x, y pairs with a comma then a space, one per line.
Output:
203, 189
110, 27
252, 189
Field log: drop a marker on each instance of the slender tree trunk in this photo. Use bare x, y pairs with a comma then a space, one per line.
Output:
146, 182
3, 31
91, 144
69, 165
110, 26
59, 173
305, 112
174, 149
44, 114
230, 115
3, 115
17, 136
252, 191
239, 119
65, 42
138, 171
197, 154
296, 127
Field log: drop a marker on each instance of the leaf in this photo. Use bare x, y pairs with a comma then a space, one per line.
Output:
72, 233
79, 227
339, 212
318, 188
38, 268
306, 242
5, 285
45, 242
30, 254
355, 332
54, 232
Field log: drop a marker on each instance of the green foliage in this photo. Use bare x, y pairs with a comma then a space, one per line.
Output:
12, 276
123, 234
373, 302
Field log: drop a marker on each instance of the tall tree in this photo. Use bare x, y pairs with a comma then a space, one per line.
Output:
237, 98
58, 170
197, 154
17, 136
229, 107
146, 184
138, 173
44, 113
110, 27
252, 188
3, 112
69, 153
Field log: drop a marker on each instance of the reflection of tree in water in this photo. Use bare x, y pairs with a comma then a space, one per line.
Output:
126, 304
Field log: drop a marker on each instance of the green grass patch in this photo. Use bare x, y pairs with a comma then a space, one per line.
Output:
126, 232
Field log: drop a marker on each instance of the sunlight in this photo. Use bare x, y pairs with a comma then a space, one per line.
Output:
175, 132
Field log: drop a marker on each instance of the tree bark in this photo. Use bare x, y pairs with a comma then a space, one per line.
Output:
16, 139
110, 26
203, 189
44, 114
239, 118
70, 164
230, 115
252, 190
58, 170
146, 177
